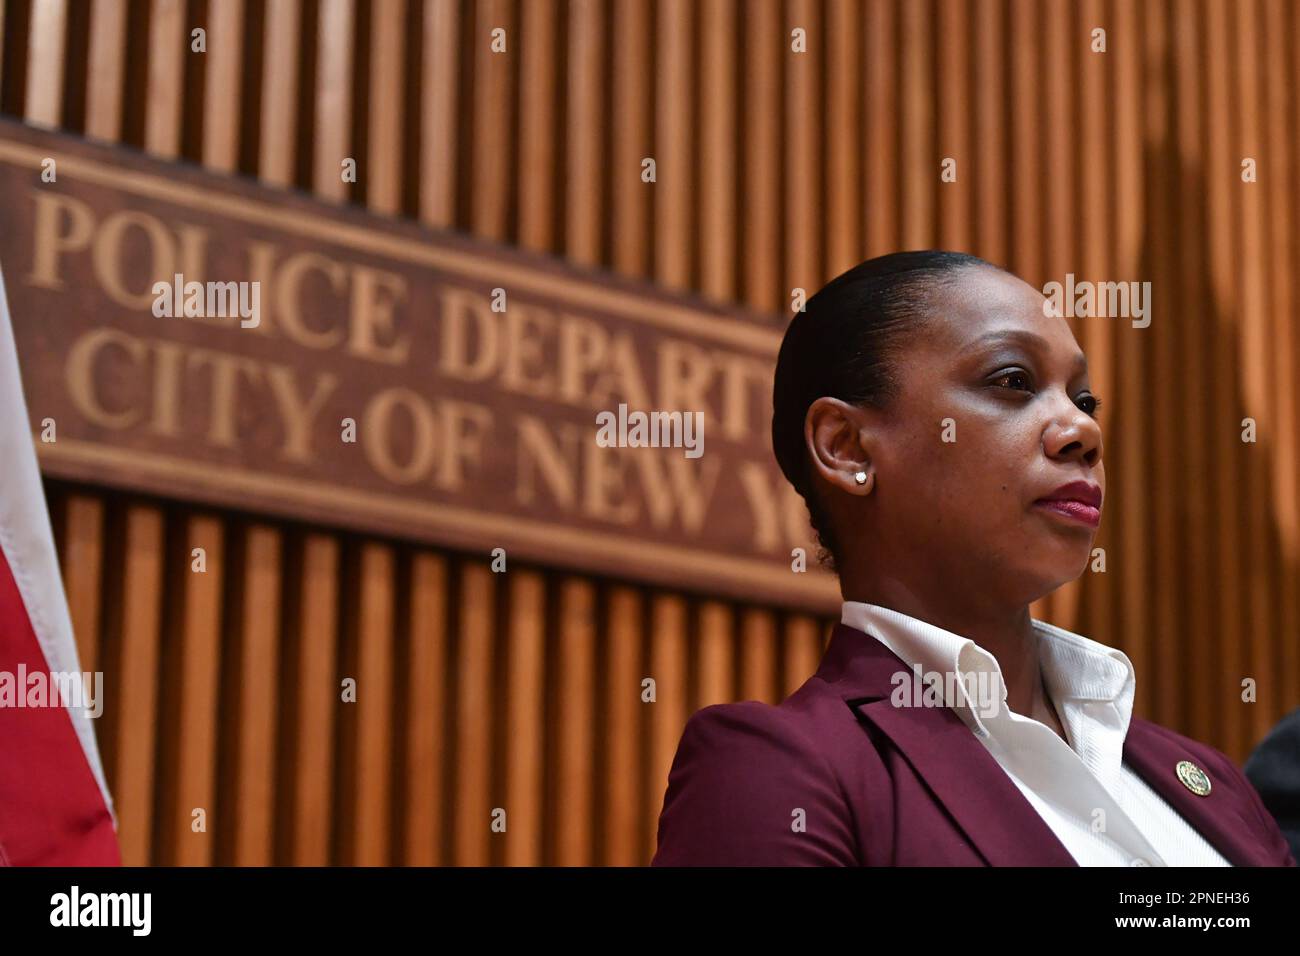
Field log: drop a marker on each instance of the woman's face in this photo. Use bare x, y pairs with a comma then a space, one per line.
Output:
994, 417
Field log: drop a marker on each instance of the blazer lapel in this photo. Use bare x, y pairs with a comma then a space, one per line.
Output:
970, 784
1222, 816
964, 777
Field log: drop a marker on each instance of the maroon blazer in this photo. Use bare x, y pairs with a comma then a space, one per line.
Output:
901, 786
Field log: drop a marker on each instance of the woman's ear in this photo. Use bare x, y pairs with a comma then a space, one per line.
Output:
839, 438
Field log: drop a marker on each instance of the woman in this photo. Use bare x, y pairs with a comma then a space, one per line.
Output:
940, 426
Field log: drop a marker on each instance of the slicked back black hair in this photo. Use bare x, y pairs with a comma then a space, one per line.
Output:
843, 345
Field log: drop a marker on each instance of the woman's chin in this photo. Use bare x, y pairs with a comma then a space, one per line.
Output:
1056, 566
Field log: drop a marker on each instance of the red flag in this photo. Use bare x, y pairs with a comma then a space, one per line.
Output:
55, 808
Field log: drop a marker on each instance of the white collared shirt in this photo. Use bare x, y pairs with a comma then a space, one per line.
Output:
1103, 812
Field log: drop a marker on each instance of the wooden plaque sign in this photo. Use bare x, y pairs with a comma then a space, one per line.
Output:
205, 338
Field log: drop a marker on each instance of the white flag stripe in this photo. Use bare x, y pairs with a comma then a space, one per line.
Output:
28, 539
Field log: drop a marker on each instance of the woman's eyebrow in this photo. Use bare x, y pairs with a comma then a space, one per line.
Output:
1026, 338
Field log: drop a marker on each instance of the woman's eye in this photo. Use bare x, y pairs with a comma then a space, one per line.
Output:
1089, 404
1015, 379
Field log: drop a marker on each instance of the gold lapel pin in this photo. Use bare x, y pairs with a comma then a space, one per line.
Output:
1193, 777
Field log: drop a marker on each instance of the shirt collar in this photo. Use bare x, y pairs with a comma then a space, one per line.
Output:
1074, 667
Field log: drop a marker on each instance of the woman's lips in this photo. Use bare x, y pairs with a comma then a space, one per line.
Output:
1071, 510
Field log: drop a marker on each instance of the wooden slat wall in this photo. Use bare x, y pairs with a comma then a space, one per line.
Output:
524, 691
521, 692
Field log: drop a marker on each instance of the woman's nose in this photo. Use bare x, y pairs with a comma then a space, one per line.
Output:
1073, 434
